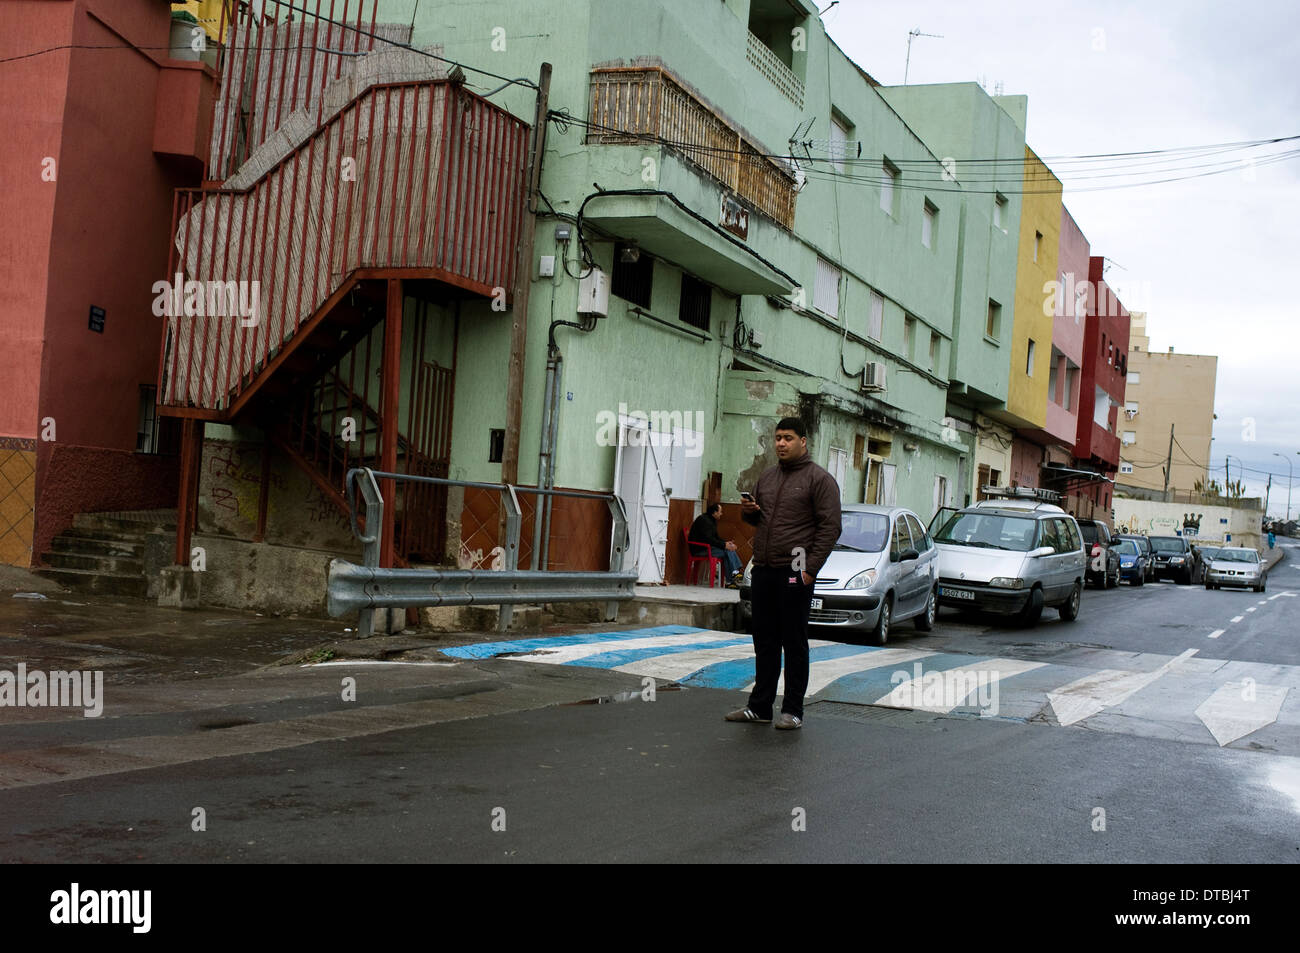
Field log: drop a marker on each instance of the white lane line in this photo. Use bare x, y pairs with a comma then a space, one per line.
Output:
1216, 633
1277, 596
943, 691
1263, 602
1233, 711
1086, 696
1251, 609
563, 654
1238, 618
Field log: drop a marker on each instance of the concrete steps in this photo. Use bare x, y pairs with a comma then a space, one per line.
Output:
104, 553
93, 580
107, 545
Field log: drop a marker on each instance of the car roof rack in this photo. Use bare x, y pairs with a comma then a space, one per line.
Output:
1021, 493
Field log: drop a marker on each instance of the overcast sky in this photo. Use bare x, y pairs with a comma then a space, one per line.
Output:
1213, 259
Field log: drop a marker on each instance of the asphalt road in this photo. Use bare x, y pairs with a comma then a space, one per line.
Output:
496, 760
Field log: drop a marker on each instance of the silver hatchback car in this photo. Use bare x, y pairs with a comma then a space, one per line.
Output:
884, 569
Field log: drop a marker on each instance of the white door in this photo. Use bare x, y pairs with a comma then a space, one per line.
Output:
837, 463
642, 481
629, 462
887, 474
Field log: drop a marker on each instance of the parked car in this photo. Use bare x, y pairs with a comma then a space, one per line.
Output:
1204, 556
1174, 558
883, 570
1144, 546
1132, 563
1236, 566
1103, 563
1011, 559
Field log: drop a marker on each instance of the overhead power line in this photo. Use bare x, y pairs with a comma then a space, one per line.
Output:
1011, 182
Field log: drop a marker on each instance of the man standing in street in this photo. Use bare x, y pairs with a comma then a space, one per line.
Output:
795, 508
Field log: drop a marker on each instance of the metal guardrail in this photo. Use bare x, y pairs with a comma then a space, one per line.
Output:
364, 588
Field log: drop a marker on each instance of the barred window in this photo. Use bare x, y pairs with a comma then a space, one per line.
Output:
696, 301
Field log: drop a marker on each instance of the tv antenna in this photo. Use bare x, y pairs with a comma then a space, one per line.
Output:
912, 34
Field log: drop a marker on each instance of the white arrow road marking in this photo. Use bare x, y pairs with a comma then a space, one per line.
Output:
570, 653
917, 694
1086, 696
1229, 716
1216, 633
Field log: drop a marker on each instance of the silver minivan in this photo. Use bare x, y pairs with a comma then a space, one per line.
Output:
1012, 558
883, 569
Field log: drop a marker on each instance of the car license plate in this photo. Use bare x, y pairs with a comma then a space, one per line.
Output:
957, 594
816, 603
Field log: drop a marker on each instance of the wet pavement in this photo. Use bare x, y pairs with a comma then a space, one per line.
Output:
134, 641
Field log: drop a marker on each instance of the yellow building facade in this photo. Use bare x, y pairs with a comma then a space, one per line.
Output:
1031, 335
207, 12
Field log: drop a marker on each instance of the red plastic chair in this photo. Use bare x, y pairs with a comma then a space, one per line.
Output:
692, 562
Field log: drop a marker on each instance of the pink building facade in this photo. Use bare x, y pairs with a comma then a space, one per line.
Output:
101, 126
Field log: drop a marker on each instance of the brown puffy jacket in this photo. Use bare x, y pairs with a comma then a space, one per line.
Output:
800, 504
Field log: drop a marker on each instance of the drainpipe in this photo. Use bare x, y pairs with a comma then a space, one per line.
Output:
544, 455
557, 387
550, 427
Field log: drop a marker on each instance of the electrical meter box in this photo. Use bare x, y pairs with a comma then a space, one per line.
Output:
593, 293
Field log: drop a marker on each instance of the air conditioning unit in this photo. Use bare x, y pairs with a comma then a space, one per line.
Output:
873, 377
593, 293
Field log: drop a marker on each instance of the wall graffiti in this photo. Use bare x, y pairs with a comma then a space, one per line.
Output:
322, 509
235, 477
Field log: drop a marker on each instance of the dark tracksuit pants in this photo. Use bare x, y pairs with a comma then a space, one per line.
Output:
781, 603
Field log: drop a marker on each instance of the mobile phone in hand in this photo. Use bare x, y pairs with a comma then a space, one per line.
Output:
744, 495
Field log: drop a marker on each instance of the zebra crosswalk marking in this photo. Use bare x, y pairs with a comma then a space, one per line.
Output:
1030, 691
911, 693
679, 666
567, 654
824, 672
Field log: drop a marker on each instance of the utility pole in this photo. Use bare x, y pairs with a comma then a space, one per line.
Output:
1267, 490
1169, 461
523, 282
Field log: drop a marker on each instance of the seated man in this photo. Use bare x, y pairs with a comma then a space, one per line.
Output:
705, 530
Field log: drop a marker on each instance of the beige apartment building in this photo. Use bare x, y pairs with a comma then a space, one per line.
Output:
1165, 388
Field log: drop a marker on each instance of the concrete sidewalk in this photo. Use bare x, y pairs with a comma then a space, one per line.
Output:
136, 642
